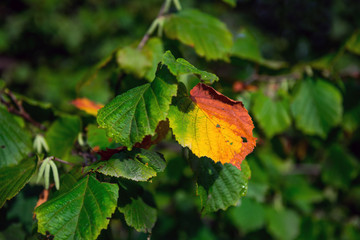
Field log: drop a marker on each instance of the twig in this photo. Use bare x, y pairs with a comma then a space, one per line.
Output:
19, 109
162, 11
278, 78
62, 161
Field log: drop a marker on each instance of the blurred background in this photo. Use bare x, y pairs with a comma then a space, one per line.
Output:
304, 182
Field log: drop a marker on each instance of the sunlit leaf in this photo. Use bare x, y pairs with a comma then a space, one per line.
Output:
14, 178
87, 105
317, 107
219, 186
180, 66
15, 143
138, 164
141, 62
80, 213
212, 125
353, 44
209, 37
230, 2
136, 113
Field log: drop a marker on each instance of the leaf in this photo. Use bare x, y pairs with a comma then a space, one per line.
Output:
219, 186
180, 66
131, 116
353, 44
137, 206
22, 210
97, 139
14, 178
155, 49
273, 115
209, 36
283, 224
246, 47
249, 216
230, 2
138, 165
212, 125
303, 195
316, 107
81, 213
133, 61
141, 62
65, 131
87, 105
339, 168
15, 143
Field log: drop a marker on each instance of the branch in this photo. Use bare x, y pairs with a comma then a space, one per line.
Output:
19, 109
62, 161
164, 8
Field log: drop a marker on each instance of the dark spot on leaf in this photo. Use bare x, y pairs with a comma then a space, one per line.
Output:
2, 146
217, 125
244, 139
231, 143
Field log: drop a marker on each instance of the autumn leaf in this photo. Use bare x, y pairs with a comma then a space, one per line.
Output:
87, 105
212, 125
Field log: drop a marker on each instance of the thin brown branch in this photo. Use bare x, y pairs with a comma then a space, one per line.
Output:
267, 78
62, 161
146, 37
18, 109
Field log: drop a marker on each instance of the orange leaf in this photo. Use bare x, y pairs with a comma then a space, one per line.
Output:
87, 105
212, 125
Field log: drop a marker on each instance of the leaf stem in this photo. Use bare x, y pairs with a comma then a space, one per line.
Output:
164, 9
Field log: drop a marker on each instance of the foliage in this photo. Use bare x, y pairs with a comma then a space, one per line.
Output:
117, 98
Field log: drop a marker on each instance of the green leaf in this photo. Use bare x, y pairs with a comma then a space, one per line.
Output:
180, 67
249, 216
317, 107
283, 224
272, 115
137, 206
339, 168
96, 137
155, 49
247, 47
138, 165
14, 178
230, 2
13, 232
353, 44
351, 120
141, 62
209, 36
81, 213
15, 143
22, 210
62, 134
133, 61
219, 186
131, 116
303, 195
